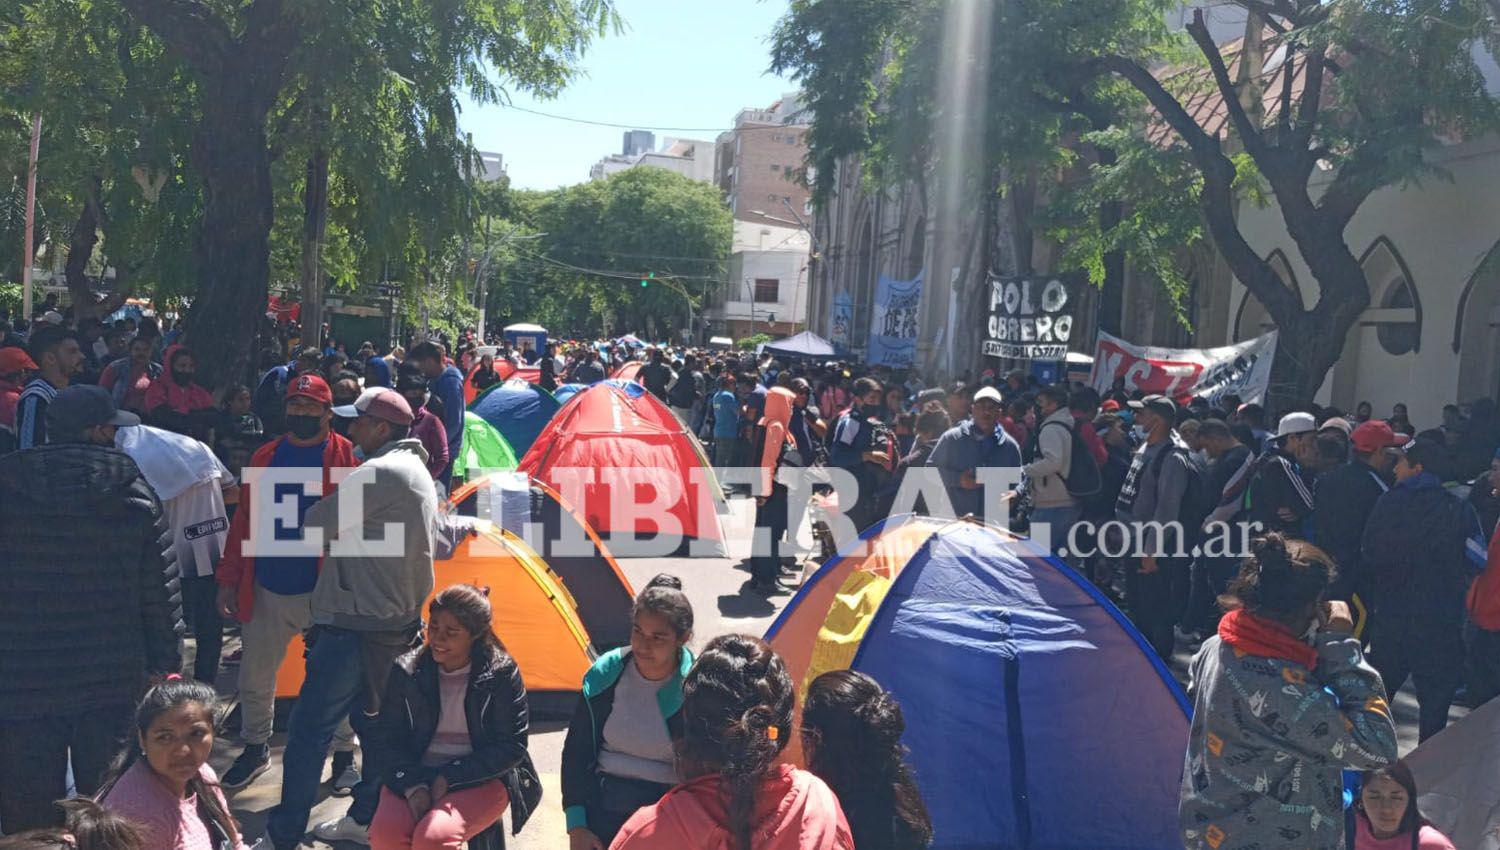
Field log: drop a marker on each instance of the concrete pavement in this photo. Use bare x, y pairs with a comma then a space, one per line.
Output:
714, 587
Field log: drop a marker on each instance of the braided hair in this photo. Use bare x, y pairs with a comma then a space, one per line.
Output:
737, 713
854, 727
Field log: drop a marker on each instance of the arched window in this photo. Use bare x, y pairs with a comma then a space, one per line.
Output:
917, 249
1252, 319
1396, 309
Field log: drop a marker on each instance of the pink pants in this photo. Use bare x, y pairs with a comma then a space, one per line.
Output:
457, 817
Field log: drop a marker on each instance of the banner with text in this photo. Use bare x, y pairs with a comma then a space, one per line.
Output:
1031, 318
841, 320
1243, 369
893, 325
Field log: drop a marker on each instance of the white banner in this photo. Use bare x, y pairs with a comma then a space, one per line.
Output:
1243, 369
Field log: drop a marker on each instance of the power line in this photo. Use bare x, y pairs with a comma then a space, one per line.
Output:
612, 124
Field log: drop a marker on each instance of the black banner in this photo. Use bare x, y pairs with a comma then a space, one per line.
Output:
1031, 318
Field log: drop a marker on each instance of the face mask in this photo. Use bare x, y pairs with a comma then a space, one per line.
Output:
303, 427
1201, 456
1139, 432
359, 454
183, 378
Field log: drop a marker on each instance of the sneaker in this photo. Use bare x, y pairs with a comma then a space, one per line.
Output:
253, 761
343, 829
344, 775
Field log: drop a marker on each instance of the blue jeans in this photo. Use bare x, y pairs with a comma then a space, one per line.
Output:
1061, 520
333, 689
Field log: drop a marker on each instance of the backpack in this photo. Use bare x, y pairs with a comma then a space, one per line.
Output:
1084, 478
1195, 505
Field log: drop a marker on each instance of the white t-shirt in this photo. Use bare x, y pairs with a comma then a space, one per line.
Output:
636, 743
200, 523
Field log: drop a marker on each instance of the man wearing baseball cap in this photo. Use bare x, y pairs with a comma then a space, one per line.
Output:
15, 363
972, 444
1153, 493
271, 595
1344, 498
1417, 561
381, 531
1280, 497
88, 605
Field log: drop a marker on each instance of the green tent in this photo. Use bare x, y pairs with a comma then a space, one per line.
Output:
484, 450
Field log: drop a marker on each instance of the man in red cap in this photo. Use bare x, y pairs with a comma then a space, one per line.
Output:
270, 595
1344, 499
15, 363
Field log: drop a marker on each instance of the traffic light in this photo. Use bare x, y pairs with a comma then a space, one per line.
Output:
650, 276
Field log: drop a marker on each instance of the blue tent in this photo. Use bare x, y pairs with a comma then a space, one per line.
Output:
1036, 714
567, 391
518, 410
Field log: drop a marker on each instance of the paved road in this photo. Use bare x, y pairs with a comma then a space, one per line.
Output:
720, 607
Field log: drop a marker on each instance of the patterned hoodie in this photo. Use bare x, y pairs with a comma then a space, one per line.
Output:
1268, 741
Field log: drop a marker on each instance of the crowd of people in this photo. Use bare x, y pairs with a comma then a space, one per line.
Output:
129, 502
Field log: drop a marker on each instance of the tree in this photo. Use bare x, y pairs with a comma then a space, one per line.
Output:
605, 237
1361, 91
243, 58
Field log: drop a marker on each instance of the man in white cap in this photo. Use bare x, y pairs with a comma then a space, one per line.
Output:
1279, 497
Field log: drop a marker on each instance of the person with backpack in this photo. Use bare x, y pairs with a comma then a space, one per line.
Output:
1416, 557
1154, 493
1056, 456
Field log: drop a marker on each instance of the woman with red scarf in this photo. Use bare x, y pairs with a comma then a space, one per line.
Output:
1283, 701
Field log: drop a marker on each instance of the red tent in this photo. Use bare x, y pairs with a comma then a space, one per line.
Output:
620, 433
630, 370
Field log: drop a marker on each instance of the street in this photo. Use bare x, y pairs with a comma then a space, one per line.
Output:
713, 585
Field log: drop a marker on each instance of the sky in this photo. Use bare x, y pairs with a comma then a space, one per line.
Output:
677, 63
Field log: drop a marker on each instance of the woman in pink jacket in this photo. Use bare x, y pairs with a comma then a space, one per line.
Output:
737, 714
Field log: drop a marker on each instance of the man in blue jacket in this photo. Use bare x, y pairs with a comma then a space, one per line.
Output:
974, 443
446, 383
1417, 566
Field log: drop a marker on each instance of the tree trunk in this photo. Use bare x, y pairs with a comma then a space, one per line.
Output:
230, 156
81, 244
314, 225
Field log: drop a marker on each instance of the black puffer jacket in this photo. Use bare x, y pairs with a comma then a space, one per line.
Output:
498, 718
89, 604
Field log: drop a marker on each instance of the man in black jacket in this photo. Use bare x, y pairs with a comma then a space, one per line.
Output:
88, 605
1417, 569
1345, 497
1279, 497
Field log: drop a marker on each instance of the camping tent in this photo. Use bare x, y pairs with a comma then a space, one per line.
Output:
630, 370
622, 434
1457, 780
484, 449
567, 391
1036, 715
534, 616
549, 525
631, 340
805, 344
518, 410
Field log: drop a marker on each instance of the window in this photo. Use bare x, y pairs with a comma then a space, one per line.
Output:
767, 290
791, 140
1398, 338
775, 168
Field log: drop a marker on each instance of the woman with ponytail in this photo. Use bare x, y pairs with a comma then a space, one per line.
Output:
737, 714
453, 730
1282, 702
851, 738
619, 754
162, 781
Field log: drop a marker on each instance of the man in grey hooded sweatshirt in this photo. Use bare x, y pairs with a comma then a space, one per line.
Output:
382, 529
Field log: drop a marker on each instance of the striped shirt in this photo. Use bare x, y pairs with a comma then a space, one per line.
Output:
31, 413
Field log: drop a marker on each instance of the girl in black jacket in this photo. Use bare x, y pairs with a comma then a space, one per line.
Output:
453, 730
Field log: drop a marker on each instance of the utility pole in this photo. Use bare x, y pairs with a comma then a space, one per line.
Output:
26, 251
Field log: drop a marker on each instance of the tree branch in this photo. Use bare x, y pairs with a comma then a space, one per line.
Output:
1205, 147
1284, 112
1249, 133
190, 29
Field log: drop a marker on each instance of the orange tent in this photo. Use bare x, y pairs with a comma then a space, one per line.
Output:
535, 617
616, 432
549, 525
